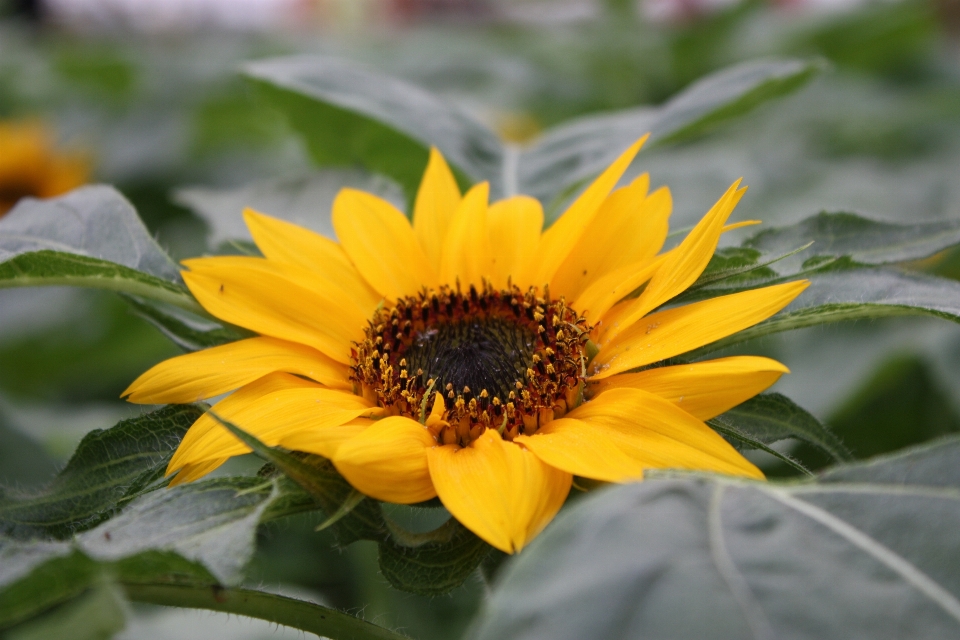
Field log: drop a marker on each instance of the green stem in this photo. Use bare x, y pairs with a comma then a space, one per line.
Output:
305, 616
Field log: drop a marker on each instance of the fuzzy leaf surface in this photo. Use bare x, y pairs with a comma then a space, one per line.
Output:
865, 551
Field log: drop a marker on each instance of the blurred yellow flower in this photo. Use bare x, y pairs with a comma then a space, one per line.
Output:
31, 166
470, 355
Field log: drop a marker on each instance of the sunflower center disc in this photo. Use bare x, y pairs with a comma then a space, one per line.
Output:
509, 359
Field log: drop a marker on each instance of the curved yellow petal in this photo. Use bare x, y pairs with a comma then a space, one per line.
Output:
582, 449
658, 434
325, 442
557, 241
604, 292
466, 257
204, 374
437, 200
703, 389
500, 491
669, 333
630, 228
192, 472
514, 226
270, 409
382, 244
388, 461
292, 244
260, 296
685, 263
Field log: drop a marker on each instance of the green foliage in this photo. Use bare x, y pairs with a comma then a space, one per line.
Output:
849, 261
110, 468
866, 547
351, 115
772, 417
431, 563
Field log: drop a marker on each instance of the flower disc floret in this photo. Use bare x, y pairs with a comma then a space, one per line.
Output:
510, 360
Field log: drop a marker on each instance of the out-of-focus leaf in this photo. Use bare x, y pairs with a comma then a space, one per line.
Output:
771, 417
109, 469
571, 153
305, 200
94, 221
868, 551
352, 115
187, 330
23, 460
96, 615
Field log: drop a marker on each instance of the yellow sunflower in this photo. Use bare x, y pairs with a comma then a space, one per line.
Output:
470, 355
30, 165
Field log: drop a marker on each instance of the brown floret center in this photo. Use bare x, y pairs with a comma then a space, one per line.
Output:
503, 359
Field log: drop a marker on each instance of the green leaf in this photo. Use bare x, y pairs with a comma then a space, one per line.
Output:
572, 153
94, 221
433, 564
771, 417
856, 294
868, 550
90, 237
187, 330
864, 241
350, 115
109, 469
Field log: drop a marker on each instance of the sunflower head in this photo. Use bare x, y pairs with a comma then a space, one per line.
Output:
30, 165
471, 355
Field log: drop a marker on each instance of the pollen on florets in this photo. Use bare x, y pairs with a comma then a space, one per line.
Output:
503, 359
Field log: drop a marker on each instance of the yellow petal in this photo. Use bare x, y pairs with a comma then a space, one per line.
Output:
271, 409
557, 241
466, 257
292, 244
437, 200
686, 263
580, 448
271, 299
500, 491
382, 245
669, 333
630, 228
192, 472
211, 372
514, 226
659, 434
703, 389
605, 291
388, 461
325, 442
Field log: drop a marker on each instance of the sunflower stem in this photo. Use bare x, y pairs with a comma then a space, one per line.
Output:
299, 614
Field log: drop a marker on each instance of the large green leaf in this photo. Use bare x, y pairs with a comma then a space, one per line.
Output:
92, 237
864, 241
574, 152
867, 551
109, 468
349, 115
94, 221
850, 262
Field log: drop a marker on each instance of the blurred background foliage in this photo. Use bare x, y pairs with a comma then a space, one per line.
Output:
161, 109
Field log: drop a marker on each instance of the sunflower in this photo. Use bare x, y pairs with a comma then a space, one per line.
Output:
30, 166
470, 355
